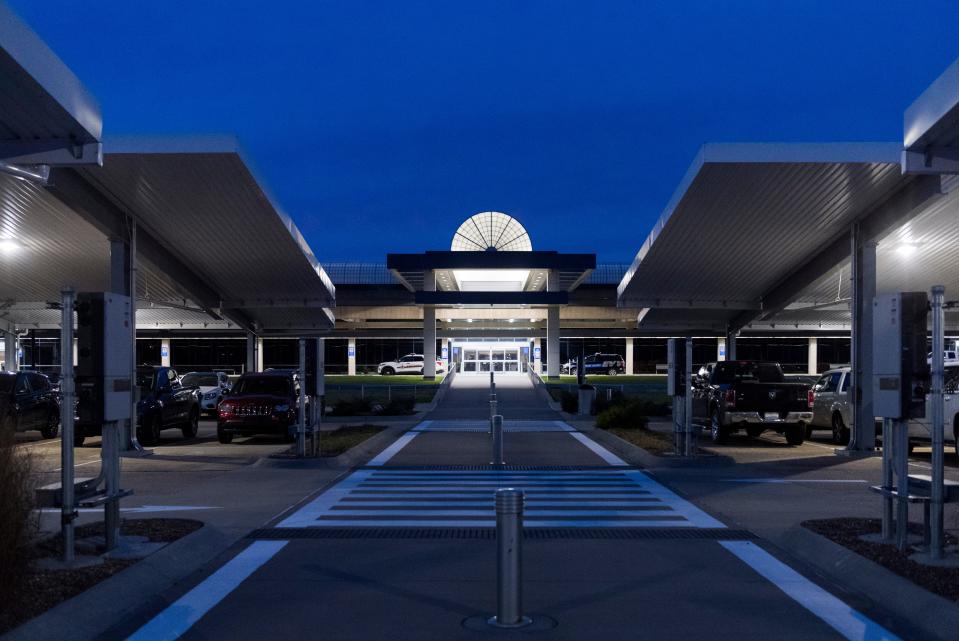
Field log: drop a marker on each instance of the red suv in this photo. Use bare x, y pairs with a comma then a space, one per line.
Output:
259, 403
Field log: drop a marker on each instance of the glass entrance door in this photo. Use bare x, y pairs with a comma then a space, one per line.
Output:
483, 359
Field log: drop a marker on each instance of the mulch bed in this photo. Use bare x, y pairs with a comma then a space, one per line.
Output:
338, 441
846, 532
44, 589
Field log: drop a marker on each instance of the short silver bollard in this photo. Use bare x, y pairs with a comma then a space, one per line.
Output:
509, 559
497, 440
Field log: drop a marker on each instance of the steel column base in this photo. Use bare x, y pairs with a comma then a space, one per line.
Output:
522, 623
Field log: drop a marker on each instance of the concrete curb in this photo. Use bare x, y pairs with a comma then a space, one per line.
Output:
638, 456
934, 615
125, 592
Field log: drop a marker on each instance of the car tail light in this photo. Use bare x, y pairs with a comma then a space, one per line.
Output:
730, 398
810, 398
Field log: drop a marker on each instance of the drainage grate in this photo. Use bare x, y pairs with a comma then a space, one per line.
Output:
534, 533
503, 468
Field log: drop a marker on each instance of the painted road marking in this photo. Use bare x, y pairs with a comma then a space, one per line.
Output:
390, 452
449, 498
598, 449
459, 425
776, 481
845, 620
141, 509
190, 608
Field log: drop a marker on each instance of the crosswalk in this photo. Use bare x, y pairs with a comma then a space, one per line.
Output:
593, 498
483, 426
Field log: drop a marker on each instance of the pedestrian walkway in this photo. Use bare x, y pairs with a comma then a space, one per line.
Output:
420, 497
484, 426
517, 399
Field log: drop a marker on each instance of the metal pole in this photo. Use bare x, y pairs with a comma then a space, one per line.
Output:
497, 440
688, 401
887, 482
67, 512
901, 454
938, 347
509, 559
492, 411
301, 423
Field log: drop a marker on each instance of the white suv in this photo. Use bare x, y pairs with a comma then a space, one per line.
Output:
409, 364
920, 429
831, 407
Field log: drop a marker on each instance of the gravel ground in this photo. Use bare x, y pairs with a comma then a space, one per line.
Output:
44, 589
846, 532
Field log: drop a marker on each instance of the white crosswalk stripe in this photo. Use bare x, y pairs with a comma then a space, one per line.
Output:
452, 498
483, 426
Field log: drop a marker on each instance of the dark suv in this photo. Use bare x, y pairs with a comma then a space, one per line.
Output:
611, 364
259, 403
28, 402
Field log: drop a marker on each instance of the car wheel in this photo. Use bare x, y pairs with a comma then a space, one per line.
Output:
808, 432
840, 433
387, 371
612, 371
754, 431
52, 426
795, 433
193, 424
718, 432
148, 433
223, 436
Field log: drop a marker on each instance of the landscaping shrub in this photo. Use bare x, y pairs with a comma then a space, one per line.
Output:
352, 406
397, 407
17, 528
627, 415
569, 402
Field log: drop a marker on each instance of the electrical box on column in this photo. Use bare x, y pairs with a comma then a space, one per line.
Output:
103, 382
900, 371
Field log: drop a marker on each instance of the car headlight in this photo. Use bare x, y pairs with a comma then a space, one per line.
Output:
284, 407
209, 396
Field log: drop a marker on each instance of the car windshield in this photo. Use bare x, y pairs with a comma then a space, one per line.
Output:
6, 383
195, 379
145, 379
726, 373
272, 385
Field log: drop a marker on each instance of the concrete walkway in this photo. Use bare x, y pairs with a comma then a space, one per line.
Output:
468, 398
404, 548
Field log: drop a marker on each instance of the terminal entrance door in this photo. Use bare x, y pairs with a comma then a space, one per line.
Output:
504, 358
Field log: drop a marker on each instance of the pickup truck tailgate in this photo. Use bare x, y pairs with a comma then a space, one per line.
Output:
772, 397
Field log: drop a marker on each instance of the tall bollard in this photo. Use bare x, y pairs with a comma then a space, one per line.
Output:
492, 410
509, 559
497, 440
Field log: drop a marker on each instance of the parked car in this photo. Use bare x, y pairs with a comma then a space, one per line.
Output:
28, 402
212, 386
754, 396
260, 403
948, 356
409, 364
706, 371
611, 364
920, 430
165, 403
831, 407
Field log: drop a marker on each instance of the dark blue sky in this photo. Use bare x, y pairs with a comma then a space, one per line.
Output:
380, 126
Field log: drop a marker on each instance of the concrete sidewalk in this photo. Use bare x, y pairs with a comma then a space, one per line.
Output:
516, 398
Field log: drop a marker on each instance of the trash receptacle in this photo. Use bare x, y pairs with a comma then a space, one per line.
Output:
587, 394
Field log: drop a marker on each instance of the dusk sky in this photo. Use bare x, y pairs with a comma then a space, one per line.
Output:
380, 126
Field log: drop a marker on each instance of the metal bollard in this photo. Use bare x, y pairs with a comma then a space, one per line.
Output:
497, 440
509, 559
492, 411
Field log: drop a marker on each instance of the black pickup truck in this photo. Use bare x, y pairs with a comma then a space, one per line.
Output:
164, 403
754, 396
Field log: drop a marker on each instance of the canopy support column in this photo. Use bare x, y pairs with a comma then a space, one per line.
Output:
863, 292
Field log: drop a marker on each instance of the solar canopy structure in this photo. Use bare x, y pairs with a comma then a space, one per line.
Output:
759, 235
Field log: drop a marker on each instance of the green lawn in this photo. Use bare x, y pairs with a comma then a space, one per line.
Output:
338, 441
605, 379
376, 379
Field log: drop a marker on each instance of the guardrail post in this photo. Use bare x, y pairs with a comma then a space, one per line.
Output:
497, 440
509, 558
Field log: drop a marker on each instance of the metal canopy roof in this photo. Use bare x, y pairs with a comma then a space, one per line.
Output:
199, 197
931, 127
46, 114
213, 250
752, 225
